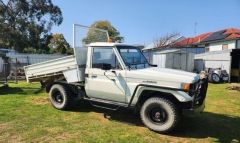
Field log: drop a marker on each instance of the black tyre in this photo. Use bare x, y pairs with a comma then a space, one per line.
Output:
215, 78
60, 97
159, 114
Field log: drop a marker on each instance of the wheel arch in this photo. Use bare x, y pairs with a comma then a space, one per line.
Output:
50, 84
143, 93
146, 94
72, 88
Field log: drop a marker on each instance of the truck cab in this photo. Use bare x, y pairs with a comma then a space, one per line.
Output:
112, 75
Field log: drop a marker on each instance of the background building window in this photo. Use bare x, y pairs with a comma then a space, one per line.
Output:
225, 47
207, 49
238, 44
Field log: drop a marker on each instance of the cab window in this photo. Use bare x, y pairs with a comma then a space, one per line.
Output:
104, 58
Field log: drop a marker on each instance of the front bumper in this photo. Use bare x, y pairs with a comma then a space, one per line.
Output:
198, 92
199, 109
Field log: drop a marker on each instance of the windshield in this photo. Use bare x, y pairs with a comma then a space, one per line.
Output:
133, 57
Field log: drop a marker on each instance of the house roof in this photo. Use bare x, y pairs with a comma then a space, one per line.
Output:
225, 34
152, 45
192, 40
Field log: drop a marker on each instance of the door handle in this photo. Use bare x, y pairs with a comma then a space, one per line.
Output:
113, 71
94, 76
113, 80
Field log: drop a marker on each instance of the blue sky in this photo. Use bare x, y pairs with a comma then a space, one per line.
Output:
142, 21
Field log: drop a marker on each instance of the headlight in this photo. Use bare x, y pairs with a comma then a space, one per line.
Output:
186, 86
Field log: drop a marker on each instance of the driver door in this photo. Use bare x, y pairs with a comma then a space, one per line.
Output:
106, 79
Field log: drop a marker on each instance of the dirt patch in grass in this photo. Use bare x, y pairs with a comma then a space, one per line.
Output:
39, 100
15, 139
60, 137
64, 136
5, 136
54, 130
234, 86
99, 117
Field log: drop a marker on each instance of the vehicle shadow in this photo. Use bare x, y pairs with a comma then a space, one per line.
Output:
4, 90
223, 128
124, 115
39, 90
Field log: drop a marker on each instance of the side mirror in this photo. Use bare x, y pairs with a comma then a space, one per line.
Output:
106, 66
153, 65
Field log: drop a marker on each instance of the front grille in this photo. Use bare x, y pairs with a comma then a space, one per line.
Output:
193, 88
198, 91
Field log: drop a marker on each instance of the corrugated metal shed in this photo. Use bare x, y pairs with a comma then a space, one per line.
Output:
174, 59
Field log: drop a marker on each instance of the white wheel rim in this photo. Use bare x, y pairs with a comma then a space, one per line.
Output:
215, 78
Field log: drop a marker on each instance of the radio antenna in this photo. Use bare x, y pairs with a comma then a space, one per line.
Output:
195, 28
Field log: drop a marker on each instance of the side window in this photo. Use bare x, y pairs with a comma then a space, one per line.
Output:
104, 58
207, 49
224, 46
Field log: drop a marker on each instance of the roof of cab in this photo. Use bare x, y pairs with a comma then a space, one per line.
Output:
107, 44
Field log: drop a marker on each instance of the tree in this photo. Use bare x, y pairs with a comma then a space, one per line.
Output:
25, 23
167, 40
94, 35
58, 44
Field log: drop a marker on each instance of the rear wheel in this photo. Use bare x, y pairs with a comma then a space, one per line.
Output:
60, 97
159, 114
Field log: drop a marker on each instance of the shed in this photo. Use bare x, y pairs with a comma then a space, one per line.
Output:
150, 50
4, 68
174, 59
228, 60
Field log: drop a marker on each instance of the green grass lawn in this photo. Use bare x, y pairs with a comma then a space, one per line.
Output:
27, 116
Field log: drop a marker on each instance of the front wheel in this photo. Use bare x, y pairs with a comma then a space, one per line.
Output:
159, 114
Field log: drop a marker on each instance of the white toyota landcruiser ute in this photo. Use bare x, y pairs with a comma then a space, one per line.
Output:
112, 75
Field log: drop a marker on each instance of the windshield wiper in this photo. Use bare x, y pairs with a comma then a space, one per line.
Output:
135, 64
